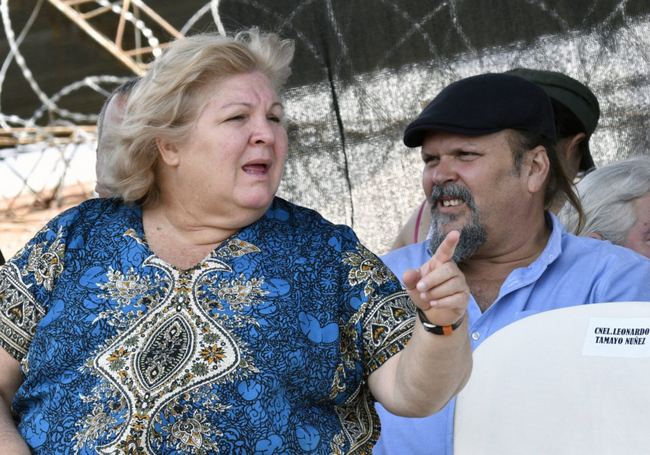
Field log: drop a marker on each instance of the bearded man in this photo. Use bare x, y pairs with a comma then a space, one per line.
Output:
491, 172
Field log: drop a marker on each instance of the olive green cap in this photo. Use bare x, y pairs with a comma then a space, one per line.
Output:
574, 95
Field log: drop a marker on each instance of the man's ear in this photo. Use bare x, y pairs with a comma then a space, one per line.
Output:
573, 155
168, 152
596, 235
538, 169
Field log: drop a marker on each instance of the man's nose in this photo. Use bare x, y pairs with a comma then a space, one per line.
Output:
444, 172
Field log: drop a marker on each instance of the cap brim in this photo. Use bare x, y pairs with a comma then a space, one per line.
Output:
414, 136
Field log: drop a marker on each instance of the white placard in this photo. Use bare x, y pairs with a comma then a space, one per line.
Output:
617, 337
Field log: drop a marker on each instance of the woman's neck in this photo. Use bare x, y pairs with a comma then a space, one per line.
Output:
179, 238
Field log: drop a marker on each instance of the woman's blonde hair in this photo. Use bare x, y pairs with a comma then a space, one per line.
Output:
168, 101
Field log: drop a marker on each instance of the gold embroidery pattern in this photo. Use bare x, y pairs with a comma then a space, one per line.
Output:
366, 268
386, 327
360, 424
240, 292
166, 355
46, 263
236, 248
20, 314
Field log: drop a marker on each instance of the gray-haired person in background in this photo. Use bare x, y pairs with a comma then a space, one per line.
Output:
616, 204
110, 117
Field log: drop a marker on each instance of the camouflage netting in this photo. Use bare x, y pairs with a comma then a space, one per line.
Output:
363, 70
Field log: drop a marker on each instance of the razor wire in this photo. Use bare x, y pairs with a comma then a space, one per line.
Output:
27, 130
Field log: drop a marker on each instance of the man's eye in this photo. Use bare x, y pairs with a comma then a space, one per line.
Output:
274, 118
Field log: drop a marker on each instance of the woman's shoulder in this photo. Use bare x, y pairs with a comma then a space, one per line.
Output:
90, 211
88, 217
302, 217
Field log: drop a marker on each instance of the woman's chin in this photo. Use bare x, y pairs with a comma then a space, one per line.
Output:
257, 201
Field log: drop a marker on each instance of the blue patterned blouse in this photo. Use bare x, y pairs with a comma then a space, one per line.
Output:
263, 348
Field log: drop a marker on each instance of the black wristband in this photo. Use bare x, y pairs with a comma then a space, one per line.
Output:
438, 329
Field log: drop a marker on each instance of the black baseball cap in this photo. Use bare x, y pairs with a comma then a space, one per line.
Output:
485, 104
573, 95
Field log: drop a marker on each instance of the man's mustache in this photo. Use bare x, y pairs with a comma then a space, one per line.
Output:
452, 190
